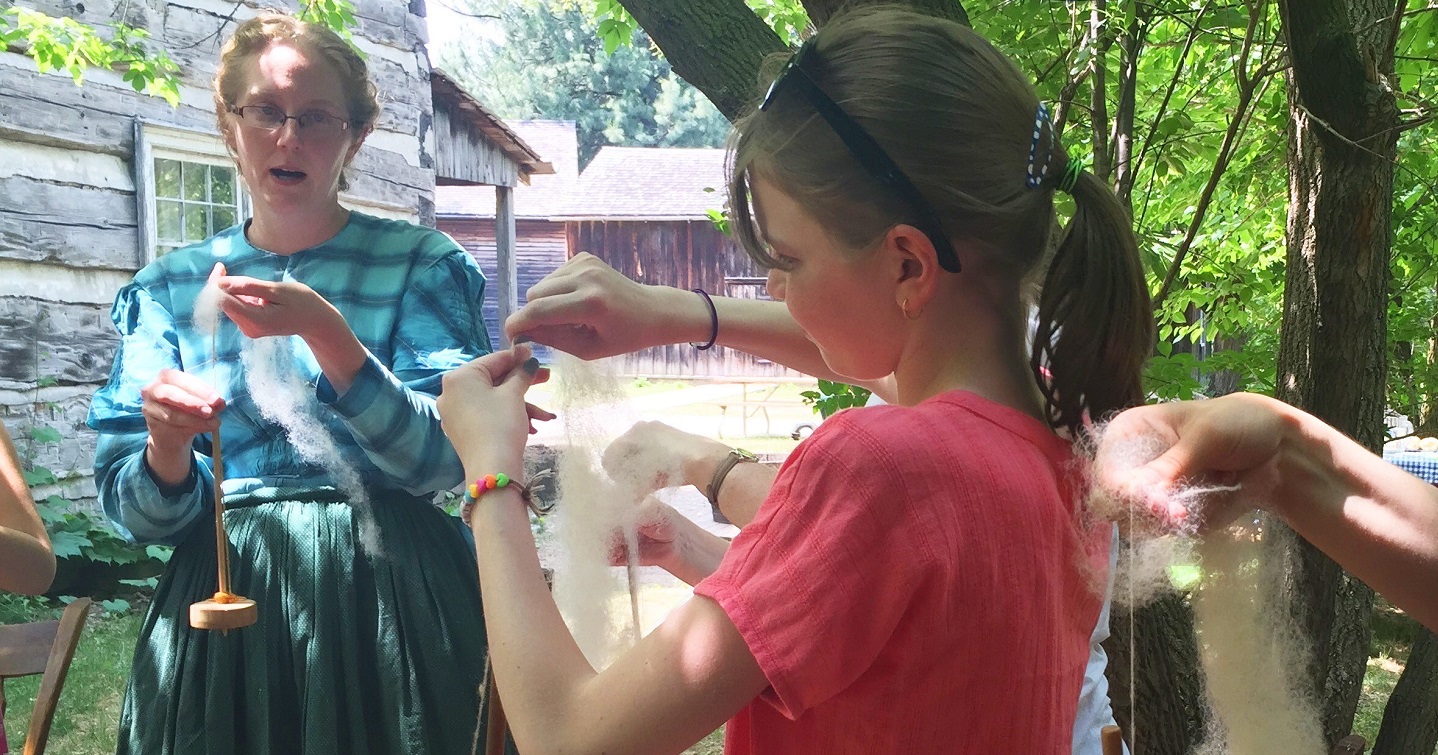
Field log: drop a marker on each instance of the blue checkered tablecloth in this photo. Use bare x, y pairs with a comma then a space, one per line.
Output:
1420, 464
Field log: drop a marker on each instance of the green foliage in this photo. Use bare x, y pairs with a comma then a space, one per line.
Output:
338, 15
830, 397
720, 219
66, 44
549, 59
613, 24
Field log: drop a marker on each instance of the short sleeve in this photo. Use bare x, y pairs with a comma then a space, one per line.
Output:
819, 582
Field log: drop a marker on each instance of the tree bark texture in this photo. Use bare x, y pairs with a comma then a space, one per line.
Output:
820, 11
1332, 358
715, 45
1410, 722
1166, 691
719, 45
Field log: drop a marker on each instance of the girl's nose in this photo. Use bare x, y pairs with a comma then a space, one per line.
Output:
775, 284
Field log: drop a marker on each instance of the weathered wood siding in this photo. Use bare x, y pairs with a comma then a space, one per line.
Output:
69, 236
685, 254
540, 249
463, 153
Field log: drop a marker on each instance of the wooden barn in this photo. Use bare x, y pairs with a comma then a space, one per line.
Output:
97, 180
470, 214
645, 211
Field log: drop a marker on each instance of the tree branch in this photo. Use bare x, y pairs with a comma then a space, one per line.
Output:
715, 45
820, 11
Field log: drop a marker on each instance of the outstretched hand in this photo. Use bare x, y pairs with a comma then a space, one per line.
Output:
275, 308
1230, 441
590, 310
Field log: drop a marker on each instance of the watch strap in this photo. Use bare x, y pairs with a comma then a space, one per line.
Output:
734, 457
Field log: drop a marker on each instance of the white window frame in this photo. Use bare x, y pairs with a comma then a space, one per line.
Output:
165, 141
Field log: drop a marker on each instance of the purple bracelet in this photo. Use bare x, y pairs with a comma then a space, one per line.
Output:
713, 322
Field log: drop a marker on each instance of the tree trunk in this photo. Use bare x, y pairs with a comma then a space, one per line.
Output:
715, 45
1410, 721
1168, 693
1332, 358
718, 45
820, 11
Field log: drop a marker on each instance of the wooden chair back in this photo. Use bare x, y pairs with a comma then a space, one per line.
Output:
41, 647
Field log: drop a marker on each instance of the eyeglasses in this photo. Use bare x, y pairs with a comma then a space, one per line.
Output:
271, 118
864, 149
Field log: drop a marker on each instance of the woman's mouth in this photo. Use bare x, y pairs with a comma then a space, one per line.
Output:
287, 176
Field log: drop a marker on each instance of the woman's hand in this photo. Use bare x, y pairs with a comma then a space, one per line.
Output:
483, 411
177, 407
590, 310
277, 308
1233, 440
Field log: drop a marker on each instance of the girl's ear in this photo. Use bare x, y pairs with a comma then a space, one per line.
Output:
913, 264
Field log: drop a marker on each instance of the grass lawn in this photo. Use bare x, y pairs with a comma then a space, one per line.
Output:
89, 711
89, 708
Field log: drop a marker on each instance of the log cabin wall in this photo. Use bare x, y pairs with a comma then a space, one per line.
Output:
72, 209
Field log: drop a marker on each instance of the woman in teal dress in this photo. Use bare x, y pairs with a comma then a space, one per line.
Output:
369, 612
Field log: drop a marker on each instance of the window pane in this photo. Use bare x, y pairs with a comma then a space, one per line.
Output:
167, 220
224, 217
196, 176
167, 178
222, 185
197, 222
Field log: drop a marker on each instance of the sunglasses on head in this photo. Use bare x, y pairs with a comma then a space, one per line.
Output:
864, 149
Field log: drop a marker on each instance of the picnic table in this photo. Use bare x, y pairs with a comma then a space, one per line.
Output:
1420, 464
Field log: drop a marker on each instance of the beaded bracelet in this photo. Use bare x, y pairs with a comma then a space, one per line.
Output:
475, 490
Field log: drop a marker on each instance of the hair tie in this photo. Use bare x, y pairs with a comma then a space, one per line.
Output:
1036, 173
1072, 171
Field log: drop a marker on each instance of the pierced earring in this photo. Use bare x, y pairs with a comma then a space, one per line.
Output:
904, 307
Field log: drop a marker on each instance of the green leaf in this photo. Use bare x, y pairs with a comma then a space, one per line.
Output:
67, 544
45, 434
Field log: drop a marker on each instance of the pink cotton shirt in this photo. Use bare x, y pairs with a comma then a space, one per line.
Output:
916, 582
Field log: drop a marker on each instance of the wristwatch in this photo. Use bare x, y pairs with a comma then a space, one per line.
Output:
735, 456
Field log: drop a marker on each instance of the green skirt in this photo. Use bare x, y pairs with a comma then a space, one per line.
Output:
355, 652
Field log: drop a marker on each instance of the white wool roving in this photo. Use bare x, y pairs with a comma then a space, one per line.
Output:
285, 398
592, 507
1251, 653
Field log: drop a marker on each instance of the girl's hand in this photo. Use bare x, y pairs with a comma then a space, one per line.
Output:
653, 455
590, 310
483, 411
657, 536
1233, 440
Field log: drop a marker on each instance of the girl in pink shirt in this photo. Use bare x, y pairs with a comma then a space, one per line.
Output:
921, 578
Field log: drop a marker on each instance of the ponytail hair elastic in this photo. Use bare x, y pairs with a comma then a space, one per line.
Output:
1036, 173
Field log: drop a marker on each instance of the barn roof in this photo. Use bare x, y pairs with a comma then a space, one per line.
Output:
447, 93
545, 196
650, 183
